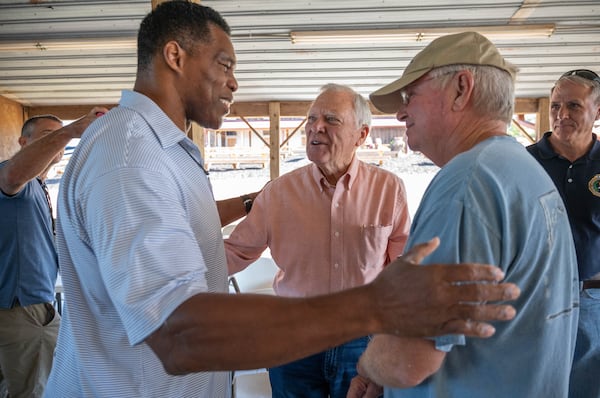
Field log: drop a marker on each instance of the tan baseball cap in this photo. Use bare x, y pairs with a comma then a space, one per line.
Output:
461, 48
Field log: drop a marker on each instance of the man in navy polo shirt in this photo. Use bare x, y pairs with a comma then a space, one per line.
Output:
570, 153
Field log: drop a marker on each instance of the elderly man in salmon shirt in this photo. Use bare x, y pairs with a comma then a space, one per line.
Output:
330, 225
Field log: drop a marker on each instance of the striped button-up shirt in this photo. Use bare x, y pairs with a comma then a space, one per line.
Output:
138, 234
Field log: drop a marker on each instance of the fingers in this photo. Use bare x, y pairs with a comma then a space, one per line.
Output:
469, 319
78, 126
358, 387
361, 387
98, 111
374, 391
471, 272
482, 292
469, 328
418, 252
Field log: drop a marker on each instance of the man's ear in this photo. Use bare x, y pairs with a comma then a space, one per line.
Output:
364, 132
463, 83
22, 141
173, 55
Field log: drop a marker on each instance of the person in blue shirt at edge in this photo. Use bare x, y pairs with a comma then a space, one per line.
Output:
28, 264
570, 153
491, 202
147, 312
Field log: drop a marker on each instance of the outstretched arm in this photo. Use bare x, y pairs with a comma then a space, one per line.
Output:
35, 159
233, 209
223, 332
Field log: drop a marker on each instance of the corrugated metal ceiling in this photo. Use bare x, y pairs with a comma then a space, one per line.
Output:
270, 67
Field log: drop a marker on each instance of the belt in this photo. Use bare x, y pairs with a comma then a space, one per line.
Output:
591, 284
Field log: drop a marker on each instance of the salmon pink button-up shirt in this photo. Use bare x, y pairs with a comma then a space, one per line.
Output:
324, 238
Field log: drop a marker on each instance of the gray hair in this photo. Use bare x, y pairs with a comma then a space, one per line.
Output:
362, 111
29, 125
582, 81
493, 91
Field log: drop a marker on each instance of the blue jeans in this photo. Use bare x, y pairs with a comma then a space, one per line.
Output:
586, 363
322, 375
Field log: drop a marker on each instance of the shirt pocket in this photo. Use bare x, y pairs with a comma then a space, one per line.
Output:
372, 243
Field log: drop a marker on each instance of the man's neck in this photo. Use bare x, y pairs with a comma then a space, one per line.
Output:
571, 150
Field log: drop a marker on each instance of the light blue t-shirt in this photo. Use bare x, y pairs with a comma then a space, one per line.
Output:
495, 204
138, 234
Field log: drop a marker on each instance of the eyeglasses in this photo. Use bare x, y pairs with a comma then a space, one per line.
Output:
583, 73
405, 96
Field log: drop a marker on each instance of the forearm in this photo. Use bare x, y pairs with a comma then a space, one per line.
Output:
232, 209
399, 362
33, 160
223, 332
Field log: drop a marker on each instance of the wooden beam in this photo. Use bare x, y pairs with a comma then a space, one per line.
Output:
523, 131
542, 118
65, 112
250, 109
257, 133
295, 108
274, 118
526, 105
255, 109
293, 132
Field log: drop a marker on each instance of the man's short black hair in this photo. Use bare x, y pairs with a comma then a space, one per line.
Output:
183, 21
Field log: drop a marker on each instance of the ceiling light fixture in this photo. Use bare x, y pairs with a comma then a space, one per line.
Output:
419, 35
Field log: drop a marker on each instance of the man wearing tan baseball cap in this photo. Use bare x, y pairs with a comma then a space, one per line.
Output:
463, 48
491, 203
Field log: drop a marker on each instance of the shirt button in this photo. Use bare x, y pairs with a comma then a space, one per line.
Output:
337, 205
336, 265
570, 180
336, 234
570, 166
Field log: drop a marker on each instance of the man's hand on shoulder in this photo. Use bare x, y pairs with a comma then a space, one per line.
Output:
438, 299
77, 128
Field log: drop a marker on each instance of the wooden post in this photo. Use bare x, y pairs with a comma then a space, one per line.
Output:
542, 117
196, 134
274, 118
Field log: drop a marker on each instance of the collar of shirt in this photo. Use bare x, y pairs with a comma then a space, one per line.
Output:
167, 133
547, 152
347, 178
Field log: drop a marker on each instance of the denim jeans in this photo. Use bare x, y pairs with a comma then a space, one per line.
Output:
327, 374
586, 363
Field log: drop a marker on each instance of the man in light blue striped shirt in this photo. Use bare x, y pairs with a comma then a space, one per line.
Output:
142, 258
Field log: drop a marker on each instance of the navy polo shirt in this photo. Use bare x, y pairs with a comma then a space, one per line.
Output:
579, 186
